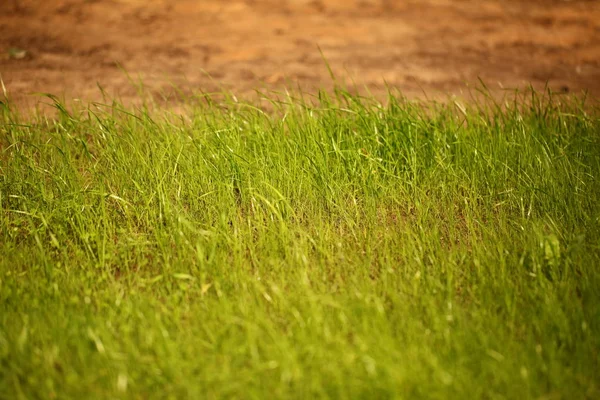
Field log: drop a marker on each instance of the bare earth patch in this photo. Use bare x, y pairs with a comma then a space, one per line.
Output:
431, 47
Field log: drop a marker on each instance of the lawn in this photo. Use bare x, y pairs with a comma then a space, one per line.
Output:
298, 246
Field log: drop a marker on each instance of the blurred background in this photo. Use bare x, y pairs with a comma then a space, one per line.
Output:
424, 48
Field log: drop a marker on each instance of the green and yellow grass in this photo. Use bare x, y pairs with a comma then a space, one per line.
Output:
332, 247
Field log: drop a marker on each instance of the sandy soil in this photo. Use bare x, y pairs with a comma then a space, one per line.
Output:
67, 47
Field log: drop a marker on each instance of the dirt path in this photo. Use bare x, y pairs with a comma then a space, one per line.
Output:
419, 46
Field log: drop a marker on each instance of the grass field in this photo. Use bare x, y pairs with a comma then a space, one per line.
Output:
331, 247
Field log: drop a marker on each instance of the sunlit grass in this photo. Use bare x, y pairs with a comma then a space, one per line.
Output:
331, 246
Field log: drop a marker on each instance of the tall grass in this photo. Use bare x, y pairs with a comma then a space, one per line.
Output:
332, 246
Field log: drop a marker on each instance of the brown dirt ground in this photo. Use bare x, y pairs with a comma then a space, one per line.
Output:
421, 47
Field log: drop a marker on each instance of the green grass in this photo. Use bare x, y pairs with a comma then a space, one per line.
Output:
332, 247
